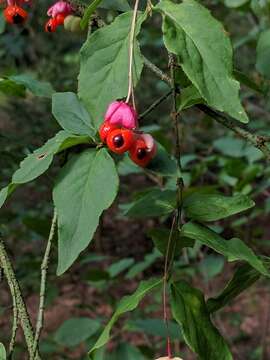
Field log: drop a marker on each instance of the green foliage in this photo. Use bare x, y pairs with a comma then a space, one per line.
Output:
104, 66
208, 67
160, 238
39, 161
89, 182
263, 53
190, 311
233, 249
71, 114
120, 266
243, 278
17, 85
212, 207
88, 12
2, 23
154, 327
154, 203
128, 303
75, 331
3, 354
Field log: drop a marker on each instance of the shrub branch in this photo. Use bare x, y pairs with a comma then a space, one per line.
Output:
44, 269
259, 141
17, 294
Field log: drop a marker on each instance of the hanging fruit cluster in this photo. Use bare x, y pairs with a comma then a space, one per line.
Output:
58, 12
121, 134
62, 13
14, 12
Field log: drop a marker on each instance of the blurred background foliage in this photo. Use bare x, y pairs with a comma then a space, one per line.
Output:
212, 159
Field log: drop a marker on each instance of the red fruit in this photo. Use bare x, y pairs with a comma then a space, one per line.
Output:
15, 14
60, 18
105, 129
141, 154
51, 25
120, 140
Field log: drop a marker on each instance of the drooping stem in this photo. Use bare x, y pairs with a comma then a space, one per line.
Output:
131, 53
44, 269
16, 292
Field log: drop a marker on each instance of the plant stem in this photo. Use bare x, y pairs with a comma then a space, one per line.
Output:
259, 141
131, 52
44, 269
15, 322
155, 104
16, 292
156, 70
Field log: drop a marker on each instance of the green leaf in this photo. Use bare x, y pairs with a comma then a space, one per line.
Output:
154, 327
104, 65
2, 23
213, 207
36, 87
188, 97
263, 54
243, 278
88, 12
74, 331
163, 163
190, 311
36, 163
3, 354
205, 56
161, 237
10, 88
89, 182
154, 203
128, 303
230, 146
120, 266
71, 114
233, 249
235, 3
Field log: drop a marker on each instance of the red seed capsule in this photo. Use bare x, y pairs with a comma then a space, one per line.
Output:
105, 129
60, 18
51, 25
15, 14
141, 154
120, 140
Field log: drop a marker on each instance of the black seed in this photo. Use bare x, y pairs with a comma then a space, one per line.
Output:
18, 19
118, 141
141, 153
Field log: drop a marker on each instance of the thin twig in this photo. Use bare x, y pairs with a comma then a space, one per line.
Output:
155, 104
16, 291
131, 53
259, 141
44, 268
156, 70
